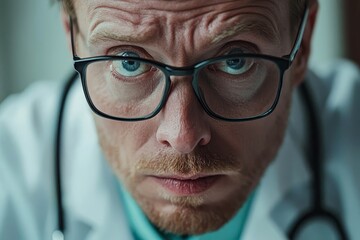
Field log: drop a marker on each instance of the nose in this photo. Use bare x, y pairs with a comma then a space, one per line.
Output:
183, 124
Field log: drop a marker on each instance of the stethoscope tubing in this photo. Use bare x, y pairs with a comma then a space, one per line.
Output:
315, 163
58, 234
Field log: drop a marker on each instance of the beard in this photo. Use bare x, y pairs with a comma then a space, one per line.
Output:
191, 215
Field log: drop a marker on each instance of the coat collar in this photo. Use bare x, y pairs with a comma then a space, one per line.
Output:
91, 197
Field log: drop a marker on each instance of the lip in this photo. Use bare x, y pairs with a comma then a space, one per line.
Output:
185, 186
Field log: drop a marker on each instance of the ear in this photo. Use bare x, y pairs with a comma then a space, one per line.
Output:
65, 19
300, 63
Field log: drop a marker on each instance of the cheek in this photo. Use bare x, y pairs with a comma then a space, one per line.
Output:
258, 138
122, 142
256, 143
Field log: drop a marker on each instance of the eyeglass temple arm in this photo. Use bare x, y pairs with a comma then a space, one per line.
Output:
299, 36
75, 57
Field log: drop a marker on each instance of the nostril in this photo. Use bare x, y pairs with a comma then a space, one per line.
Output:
164, 142
205, 140
183, 140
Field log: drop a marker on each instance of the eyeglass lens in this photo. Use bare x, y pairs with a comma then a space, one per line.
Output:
232, 88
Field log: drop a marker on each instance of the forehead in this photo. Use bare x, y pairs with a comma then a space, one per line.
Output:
179, 6
208, 20
182, 8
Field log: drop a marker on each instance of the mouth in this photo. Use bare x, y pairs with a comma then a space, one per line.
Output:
184, 186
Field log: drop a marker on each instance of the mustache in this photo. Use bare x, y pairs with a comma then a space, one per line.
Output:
197, 162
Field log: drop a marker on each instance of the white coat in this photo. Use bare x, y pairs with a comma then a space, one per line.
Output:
92, 205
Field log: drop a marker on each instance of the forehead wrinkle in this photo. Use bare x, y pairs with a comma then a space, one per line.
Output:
116, 23
124, 30
252, 26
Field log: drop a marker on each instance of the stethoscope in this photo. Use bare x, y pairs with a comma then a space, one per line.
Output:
314, 161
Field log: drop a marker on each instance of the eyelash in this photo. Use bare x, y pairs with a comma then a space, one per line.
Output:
246, 47
119, 49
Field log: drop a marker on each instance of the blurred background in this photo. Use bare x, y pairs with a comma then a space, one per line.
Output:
33, 45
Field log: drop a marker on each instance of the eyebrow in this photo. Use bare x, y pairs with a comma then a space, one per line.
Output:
108, 35
255, 27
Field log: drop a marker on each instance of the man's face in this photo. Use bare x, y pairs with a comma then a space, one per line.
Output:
189, 172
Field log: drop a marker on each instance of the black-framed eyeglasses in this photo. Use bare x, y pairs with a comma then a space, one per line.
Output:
235, 87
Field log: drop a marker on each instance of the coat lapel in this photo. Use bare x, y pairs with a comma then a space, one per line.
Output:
92, 205
276, 204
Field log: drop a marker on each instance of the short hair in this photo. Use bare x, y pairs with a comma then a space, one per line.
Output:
296, 10
68, 7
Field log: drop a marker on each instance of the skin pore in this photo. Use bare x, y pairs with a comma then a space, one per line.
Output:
182, 140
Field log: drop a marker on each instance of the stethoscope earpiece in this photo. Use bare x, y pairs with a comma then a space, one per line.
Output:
57, 235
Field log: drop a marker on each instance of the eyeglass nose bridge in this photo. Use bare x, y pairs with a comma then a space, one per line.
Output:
183, 72
180, 71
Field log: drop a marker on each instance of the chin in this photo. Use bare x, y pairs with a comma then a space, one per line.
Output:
188, 216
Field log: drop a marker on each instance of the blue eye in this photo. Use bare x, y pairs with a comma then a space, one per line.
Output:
128, 65
235, 66
236, 63
129, 68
